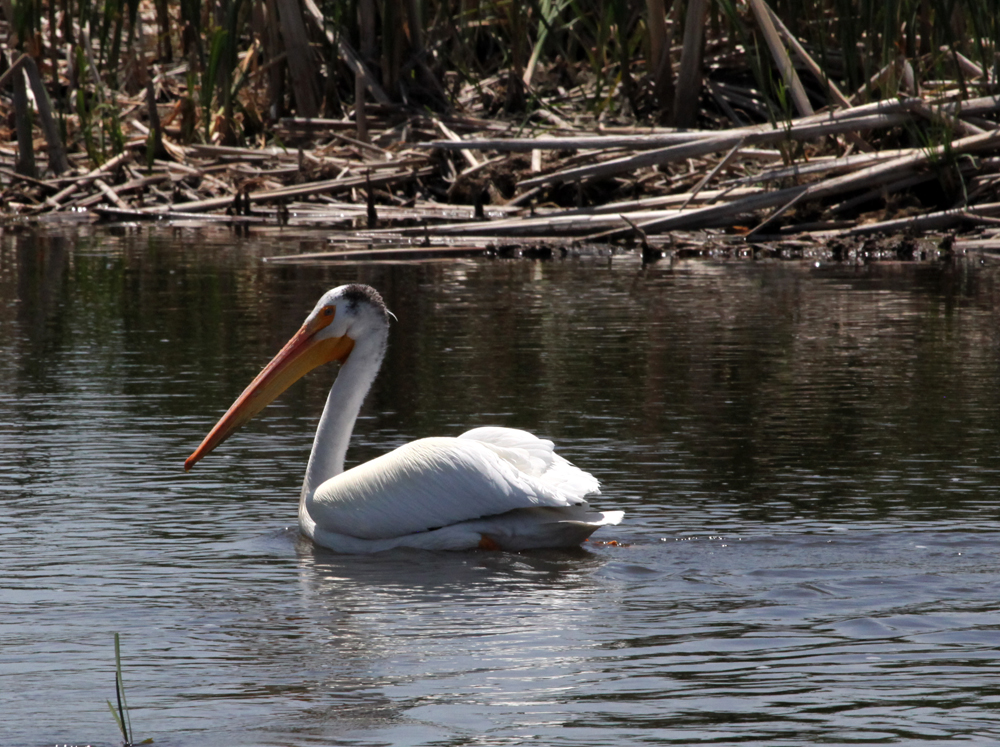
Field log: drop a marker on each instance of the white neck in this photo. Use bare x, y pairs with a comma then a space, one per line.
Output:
342, 406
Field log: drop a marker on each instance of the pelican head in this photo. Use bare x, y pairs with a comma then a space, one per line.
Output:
350, 320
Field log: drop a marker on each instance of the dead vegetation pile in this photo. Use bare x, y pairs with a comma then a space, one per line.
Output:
528, 126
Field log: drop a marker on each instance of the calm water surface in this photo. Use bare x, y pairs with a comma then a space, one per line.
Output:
808, 457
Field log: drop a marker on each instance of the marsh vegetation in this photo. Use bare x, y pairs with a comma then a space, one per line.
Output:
543, 120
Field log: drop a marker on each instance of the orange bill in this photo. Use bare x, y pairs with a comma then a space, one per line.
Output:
300, 355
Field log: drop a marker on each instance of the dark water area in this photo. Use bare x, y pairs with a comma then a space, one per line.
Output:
808, 457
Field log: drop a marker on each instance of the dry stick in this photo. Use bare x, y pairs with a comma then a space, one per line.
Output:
808, 61
319, 125
367, 146
232, 151
718, 214
45, 184
936, 220
780, 54
110, 194
708, 177
842, 163
642, 235
713, 144
819, 74
909, 181
968, 66
480, 166
578, 221
388, 253
574, 142
706, 196
200, 173
110, 165
466, 153
881, 191
980, 105
262, 154
938, 116
328, 185
712, 215
664, 139
171, 149
9, 73
130, 186
147, 214
879, 173
840, 184
776, 214
524, 197
981, 219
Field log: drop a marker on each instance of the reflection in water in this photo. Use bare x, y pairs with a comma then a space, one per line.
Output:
808, 458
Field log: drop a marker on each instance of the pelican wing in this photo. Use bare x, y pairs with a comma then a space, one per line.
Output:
437, 482
536, 457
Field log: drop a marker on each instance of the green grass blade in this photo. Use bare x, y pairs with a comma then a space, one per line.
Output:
118, 720
123, 719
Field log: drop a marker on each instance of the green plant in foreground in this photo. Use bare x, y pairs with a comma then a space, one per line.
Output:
121, 715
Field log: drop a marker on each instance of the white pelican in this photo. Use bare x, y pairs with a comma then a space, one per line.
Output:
491, 488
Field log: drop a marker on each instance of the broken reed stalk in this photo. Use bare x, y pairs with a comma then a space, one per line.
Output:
711, 174
873, 175
763, 15
841, 164
970, 107
838, 98
715, 143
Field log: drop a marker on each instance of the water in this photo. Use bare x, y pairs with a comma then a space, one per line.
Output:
808, 457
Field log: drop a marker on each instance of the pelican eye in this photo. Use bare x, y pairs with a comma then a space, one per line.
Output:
328, 310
